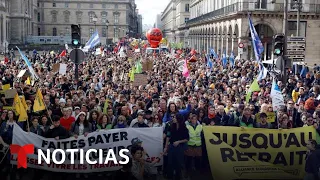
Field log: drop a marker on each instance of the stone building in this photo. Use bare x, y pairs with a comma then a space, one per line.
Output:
22, 21
222, 24
173, 20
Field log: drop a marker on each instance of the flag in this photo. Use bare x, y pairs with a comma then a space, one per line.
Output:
185, 71
6, 60
93, 41
28, 64
106, 105
63, 53
304, 71
20, 110
213, 53
131, 74
138, 68
6, 87
256, 42
253, 88
209, 62
28, 82
224, 60
231, 59
262, 72
24, 103
38, 102
277, 97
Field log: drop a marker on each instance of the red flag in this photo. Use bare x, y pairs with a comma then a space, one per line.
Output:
6, 60
63, 53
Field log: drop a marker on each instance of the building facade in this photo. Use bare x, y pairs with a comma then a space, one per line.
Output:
22, 21
158, 23
173, 20
223, 24
139, 33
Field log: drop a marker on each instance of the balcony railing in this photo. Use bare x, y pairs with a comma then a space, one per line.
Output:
250, 6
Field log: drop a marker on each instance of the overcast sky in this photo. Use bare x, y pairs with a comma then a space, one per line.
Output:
150, 8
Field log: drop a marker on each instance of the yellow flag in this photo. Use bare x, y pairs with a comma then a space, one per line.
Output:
28, 82
38, 102
106, 105
6, 87
23, 116
24, 103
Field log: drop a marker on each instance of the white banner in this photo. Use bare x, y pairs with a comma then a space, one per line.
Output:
116, 139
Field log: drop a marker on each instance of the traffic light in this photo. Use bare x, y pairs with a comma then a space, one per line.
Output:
75, 35
278, 40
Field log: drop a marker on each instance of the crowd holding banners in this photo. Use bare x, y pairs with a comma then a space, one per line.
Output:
209, 91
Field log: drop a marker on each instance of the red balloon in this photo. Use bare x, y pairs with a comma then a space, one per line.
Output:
154, 37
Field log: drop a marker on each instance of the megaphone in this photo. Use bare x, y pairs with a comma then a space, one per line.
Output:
180, 65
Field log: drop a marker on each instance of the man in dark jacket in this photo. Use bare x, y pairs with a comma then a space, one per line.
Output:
312, 161
56, 130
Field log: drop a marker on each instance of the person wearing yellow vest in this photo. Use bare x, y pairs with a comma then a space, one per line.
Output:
194, 151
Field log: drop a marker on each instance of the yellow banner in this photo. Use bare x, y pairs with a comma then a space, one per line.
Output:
253, 153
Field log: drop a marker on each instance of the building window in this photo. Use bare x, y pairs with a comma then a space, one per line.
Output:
91, 5
78, 5
54, 5
91, 31
39, 17
116, 6
261, 4
54, 17
79, 17
91, 16
186, 20
116, 18
186, 8
39, 31
104, 32
66, 5
116, 32
292, 28
38, 4
104, 17
104, 5
67, 17
54, 32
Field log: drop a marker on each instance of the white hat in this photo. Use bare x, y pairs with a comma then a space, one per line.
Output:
62, 100
81, 113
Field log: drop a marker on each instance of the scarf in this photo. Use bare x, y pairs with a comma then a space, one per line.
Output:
211, 116
121, 126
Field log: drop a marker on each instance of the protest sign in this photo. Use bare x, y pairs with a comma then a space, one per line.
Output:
115, 139
254, 153
140, 79
271, 117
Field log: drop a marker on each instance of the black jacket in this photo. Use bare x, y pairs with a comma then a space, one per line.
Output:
313, 162
59, 131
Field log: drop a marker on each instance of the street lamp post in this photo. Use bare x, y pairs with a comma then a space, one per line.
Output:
107, 25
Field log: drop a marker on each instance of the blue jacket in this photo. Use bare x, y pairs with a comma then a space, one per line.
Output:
182, 112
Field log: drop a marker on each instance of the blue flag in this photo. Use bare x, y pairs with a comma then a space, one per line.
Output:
256, 42
304, 71
224, 59
213, 53
209, 62
231, 59
28, 64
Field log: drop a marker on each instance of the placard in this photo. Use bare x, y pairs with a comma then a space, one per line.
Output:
140, 79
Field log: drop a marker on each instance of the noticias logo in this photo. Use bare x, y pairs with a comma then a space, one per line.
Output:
23, 151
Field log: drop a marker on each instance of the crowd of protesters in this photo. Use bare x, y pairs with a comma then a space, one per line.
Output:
182, 106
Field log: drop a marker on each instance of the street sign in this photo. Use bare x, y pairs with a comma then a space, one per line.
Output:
77, 53
240, 45
296, 48
240, 50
